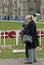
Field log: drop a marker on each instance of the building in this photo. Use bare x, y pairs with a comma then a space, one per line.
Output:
21, 7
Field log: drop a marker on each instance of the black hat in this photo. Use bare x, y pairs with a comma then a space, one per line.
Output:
34, 15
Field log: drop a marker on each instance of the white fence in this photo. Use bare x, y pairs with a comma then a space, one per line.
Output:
18, 35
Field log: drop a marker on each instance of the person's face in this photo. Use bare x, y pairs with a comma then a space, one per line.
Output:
28, 20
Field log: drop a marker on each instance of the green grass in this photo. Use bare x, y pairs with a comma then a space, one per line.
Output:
14, 25
41, 53
40, 25
10, 26
7, 53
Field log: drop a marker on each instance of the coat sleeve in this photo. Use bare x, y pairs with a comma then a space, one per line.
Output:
32, 30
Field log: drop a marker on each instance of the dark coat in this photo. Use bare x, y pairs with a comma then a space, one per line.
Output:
31, 28
25, 25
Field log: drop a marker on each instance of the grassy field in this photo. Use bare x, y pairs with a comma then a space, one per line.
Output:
14, 25
7, 53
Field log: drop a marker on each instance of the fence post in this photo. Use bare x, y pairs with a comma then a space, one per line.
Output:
17, 36
4, 40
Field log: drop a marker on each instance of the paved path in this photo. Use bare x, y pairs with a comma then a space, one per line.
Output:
19, 61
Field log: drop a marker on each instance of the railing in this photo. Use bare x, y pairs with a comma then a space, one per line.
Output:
16, 34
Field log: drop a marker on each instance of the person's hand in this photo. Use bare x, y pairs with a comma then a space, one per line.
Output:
38, 49
22, 28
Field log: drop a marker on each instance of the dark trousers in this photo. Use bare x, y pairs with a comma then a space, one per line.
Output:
30, 54
26, 51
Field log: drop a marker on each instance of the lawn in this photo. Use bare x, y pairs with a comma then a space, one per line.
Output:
14, 25
7, 53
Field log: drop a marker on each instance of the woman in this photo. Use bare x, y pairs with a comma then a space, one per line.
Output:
30, 48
